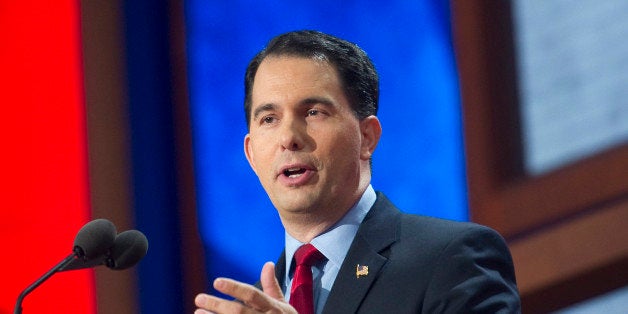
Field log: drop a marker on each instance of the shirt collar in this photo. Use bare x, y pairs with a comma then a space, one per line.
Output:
334, 243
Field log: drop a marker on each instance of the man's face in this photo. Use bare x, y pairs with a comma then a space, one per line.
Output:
305, 144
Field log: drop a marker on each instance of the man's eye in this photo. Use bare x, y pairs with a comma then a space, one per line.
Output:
312, 112
267, 120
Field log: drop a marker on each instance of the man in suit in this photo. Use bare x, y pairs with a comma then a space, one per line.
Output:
311, 103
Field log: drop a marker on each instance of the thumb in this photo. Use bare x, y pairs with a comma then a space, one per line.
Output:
269, 282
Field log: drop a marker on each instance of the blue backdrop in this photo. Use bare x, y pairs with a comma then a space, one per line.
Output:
419, 163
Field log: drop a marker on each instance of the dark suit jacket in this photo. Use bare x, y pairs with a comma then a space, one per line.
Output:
418, 264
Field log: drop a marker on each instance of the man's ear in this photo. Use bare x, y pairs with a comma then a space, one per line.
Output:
371, 131
248, 152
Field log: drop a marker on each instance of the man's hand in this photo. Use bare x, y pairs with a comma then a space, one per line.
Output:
252, 300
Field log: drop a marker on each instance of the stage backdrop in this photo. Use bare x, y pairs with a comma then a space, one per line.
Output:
419, 162
44, 157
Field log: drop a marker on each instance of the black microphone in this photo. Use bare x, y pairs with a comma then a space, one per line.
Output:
93, 239
128, 248
96, 237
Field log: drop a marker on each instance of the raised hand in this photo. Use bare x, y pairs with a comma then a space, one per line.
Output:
248, 299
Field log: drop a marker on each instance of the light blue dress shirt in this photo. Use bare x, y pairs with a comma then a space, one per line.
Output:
334, 244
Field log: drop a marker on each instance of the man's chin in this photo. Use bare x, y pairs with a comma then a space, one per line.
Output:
296, 204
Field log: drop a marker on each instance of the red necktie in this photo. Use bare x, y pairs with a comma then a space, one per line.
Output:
301, 293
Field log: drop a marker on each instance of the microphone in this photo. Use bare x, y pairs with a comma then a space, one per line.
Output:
95, 244
94, 238
128, 248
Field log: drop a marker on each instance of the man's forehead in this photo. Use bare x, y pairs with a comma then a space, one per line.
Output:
295, 61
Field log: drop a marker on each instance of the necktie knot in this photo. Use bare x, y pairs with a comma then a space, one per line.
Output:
307, 255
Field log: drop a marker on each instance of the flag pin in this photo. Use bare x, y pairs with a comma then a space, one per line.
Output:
361, 270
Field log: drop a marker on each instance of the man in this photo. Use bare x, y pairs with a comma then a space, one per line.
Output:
310, 104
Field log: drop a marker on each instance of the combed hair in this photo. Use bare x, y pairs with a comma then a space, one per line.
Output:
355, 69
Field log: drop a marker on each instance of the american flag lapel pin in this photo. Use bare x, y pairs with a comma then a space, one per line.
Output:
361, 270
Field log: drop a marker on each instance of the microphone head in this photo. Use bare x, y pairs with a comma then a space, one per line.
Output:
129, 248
94, 238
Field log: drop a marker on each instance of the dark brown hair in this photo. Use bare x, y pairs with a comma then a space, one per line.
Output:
355, 69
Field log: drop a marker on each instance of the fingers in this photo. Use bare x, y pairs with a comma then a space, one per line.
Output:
249, 299
211, 304
269, 282
247, 294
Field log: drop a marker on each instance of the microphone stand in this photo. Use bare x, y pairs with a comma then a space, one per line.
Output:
65, 262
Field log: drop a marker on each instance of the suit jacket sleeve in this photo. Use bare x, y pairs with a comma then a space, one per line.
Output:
473, 274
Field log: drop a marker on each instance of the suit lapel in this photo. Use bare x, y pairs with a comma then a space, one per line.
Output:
280, 271
376, 233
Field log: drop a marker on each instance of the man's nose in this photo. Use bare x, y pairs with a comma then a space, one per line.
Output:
292, 134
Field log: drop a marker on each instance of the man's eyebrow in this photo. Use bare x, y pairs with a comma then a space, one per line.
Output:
317, 100
262, 108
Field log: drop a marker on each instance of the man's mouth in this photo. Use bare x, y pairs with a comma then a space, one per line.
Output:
294, 172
